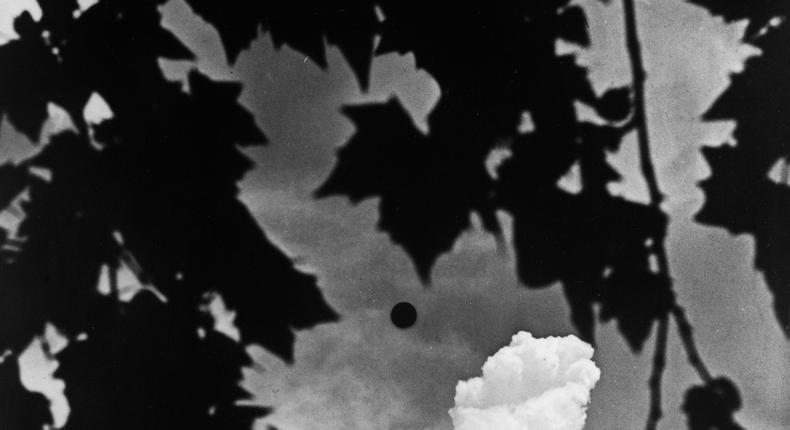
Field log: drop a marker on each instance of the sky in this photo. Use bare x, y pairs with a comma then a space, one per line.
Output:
363, 373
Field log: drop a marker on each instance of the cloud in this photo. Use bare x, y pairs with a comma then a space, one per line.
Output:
532, 384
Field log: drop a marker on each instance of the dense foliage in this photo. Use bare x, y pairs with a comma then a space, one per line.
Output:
154, 189
740, 194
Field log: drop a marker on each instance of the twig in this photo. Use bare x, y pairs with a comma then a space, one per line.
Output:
684, 327
639, 121
638, 77
648, 170
659, 364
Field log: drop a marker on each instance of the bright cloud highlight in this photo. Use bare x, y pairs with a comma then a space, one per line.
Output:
532, 384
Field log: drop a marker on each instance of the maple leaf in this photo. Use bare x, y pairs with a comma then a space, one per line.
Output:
426, 198
739, 195
303, 25
758, 12
216, 103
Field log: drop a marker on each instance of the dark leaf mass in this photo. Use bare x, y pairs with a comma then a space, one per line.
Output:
740, 195
176, 366
430, 184
154, 188
303, 25
425, 201
711, 406
20, 409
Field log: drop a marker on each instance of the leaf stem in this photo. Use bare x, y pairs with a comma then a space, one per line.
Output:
648, 171
686, 335
654, 383
638, 77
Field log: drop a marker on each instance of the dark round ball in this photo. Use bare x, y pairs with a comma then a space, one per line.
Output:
403, 315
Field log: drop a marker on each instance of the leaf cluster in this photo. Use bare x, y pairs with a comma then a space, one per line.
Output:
741, 194
495, 64
153, 189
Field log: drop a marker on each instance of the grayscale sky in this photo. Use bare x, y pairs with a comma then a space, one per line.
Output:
363, 373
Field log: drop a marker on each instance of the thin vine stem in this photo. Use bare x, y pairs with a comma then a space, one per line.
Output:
659, 364
638, 77
686, 335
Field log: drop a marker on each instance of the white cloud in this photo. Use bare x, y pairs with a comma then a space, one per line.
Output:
532, 384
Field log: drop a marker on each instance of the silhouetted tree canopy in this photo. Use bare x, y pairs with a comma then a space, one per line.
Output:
155, 189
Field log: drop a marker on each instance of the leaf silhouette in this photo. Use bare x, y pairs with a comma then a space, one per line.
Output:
189, 191
739, 195
20, 408
234, 121
421, 188
14, 179
302, 24
27, 79
436, 189
155, 188
115, 42
583, 243
573, 26
153, 356
429, 184
108, 43
759, 12
41, 279
710, 406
